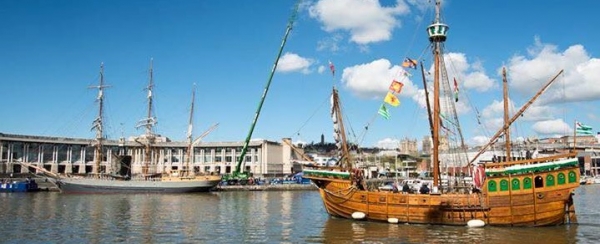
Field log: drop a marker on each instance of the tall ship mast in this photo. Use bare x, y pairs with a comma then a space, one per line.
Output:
98, 123
188, 168
148, 123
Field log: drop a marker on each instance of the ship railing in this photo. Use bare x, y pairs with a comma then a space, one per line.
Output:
502, 165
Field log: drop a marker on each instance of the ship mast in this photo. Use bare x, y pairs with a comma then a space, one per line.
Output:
189, 134
148, 123
506, 121
437, 36
97, 124
339, 133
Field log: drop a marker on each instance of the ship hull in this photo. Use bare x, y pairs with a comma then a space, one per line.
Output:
523, 203
91, 185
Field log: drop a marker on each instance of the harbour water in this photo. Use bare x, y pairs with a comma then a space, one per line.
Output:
246, 217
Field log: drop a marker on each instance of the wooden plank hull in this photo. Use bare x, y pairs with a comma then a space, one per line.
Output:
514, 206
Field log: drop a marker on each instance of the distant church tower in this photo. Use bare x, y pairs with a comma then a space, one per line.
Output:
322, 139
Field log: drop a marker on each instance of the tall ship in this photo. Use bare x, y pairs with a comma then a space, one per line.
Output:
182, 180
512, 192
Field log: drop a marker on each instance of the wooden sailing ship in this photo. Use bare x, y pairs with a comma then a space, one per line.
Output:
529, 192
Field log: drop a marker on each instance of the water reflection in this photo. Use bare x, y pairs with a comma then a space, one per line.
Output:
246, 217
342, 230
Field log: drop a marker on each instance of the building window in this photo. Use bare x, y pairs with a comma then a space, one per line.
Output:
228, 159
248, 158
206, 168
218, 159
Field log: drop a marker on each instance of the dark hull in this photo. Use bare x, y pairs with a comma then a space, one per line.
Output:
19, 187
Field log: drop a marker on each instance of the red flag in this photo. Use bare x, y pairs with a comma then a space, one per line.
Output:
332, 68
455, 85
396, 86
455, 91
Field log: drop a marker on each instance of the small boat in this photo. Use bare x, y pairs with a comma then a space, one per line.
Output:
27, 185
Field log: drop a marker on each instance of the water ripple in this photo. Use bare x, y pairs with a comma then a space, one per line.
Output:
245, 217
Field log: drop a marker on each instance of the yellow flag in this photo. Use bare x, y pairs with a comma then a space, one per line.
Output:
391, 99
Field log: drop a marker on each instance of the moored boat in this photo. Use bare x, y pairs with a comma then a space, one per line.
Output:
148, 181
27, 185
160, 184
530, 192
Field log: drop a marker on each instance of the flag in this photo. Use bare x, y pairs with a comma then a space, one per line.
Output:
583, 129
396, 86
332, 68
409, 63
391, 99
405, 73
455, 91
384, 112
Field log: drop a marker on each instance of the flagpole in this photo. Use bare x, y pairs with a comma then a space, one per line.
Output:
574, 134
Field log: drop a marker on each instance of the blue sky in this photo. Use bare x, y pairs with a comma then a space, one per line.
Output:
50, 53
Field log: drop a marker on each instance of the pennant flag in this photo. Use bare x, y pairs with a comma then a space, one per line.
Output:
455, 91
396, 86
409, 63
383, 111
583, 129
332, 68
391, 99
405, 73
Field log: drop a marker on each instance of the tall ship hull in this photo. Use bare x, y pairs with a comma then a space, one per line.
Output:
525, 198
171, 185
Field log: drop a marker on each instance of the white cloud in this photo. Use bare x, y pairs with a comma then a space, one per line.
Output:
388, 143
479, 140
547, 127
468, 75
365, 20
372, 80
537, 112
529, 73
291, 62
493, 115
330, 43
321, 69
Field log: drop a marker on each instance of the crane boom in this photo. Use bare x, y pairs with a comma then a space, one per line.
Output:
237, 174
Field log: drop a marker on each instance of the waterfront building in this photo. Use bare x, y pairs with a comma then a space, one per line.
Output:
76, 156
